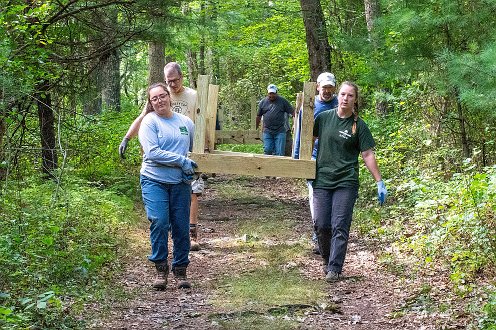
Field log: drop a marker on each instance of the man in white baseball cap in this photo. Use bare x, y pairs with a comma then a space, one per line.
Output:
325, 100
273, 109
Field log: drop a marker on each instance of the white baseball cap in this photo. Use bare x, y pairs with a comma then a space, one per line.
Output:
326, 79
272, 88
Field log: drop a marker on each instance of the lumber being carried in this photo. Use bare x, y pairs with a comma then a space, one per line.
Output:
213, 161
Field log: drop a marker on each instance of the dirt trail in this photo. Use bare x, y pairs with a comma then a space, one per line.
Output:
369, 297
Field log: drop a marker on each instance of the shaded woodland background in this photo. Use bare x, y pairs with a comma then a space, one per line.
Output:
73, 76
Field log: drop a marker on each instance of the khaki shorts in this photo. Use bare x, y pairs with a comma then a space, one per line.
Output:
198, 186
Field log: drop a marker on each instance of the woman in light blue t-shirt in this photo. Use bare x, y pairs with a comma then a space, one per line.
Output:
165, 177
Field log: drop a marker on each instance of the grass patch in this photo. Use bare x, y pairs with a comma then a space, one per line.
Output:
266, 287
265, 227
246, 148
249, 321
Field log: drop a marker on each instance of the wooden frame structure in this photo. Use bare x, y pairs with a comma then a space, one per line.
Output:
214, 161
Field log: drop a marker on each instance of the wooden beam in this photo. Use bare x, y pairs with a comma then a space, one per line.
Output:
200, 121
213, 97
254, 164
296, 121
238, 136
306, 134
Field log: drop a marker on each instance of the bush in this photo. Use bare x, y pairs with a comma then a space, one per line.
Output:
56, 244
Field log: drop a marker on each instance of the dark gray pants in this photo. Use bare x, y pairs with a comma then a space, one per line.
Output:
333, 210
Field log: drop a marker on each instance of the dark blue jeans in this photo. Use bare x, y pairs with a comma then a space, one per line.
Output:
333, 210
167, 206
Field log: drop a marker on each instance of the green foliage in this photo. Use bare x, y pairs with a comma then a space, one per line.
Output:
57, 242
488, 321
455, 223
253, 48
432, 62
94, 151
245, 148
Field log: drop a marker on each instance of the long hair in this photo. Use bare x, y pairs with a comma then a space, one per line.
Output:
355, 106
149, 106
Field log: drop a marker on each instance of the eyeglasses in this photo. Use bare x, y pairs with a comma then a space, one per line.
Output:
160, 97
173, 81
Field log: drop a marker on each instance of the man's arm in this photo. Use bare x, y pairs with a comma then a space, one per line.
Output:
133, 130
257, 121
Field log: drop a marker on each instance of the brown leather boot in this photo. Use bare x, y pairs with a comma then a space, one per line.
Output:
160, 282
180, 275
193, 236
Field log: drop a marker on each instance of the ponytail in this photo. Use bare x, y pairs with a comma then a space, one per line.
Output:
355, 107
355, 119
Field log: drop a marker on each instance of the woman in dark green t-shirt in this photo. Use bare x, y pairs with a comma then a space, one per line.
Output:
343, 136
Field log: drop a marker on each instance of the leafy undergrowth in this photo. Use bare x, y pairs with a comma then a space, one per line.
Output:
58, 250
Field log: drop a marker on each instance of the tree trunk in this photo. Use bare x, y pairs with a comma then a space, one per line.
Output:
156, 62
110, 61
372, 12
47, 129
202, 50
463, 129
201, 65
111, 79
92, 98
3, 131
319, 50
192, 68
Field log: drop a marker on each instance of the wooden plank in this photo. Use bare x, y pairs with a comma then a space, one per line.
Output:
254, 164
200, 121
238, 136
213, 97
306, 135
296, 123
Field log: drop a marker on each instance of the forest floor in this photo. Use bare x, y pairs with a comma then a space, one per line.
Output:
256, 270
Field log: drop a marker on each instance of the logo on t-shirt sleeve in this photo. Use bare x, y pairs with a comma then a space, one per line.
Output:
183, 130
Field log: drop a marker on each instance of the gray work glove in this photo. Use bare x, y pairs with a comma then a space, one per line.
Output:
188, 178
188, 166
381, 192
123, 147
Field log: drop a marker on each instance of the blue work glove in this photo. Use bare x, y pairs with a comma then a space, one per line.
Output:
123, 147
188, 166
188, 178
381, 192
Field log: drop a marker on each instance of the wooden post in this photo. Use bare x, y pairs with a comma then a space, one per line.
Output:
296, 121
200, 120
306, 134
213, 97
253, 123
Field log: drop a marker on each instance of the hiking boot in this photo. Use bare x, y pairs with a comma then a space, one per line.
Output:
332, 276
193, 236
325, 263
180, 275
315, 242
160, 282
